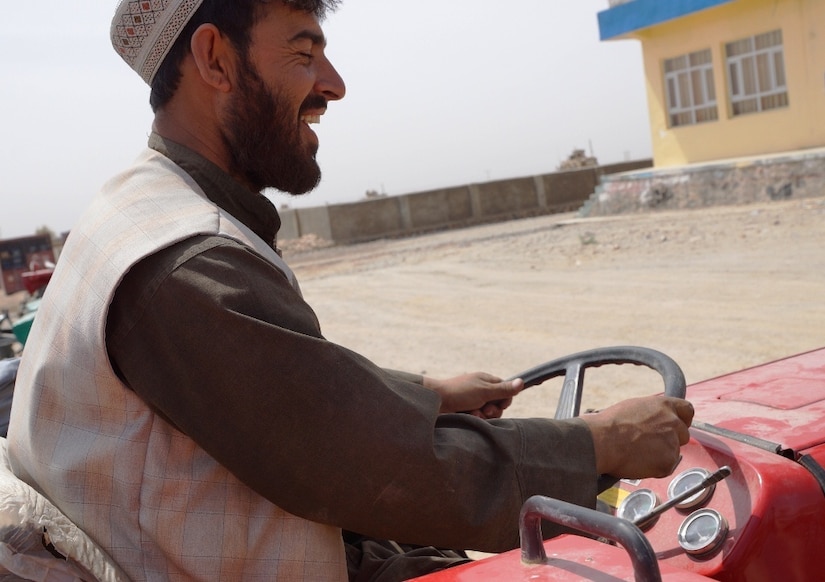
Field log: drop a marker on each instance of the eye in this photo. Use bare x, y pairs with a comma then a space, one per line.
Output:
303, 48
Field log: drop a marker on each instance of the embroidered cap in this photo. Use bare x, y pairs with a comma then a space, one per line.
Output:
143, 31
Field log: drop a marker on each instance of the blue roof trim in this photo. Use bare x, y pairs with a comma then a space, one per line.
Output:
639, 14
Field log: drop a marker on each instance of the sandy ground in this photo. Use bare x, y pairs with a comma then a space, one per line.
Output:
717, 289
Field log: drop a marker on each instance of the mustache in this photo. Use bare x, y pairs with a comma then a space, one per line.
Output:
314, 102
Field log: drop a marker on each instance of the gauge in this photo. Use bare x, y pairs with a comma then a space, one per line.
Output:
638, 504
685, 481
702, 532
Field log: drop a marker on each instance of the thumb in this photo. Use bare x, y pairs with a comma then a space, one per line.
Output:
507, 388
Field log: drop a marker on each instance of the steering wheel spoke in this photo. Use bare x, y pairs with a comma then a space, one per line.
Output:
570, 399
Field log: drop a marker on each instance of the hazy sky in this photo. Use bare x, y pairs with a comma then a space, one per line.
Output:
439, 93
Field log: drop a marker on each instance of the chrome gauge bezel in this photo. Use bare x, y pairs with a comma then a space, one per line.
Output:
641, 502
703, 544
694, 501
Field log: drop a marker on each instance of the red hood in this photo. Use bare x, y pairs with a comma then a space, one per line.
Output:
782, 402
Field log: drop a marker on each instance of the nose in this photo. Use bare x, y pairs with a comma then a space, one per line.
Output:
329, 83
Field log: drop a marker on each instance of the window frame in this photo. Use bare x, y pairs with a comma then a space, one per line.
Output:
690, 89
756, 73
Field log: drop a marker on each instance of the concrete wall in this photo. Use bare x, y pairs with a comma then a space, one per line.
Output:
434, 208
448, 207
370, 219
799, 174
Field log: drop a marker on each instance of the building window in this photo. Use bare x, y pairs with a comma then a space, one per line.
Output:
756, 73
691, 93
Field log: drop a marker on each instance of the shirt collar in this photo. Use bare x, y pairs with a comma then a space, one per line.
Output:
251, 208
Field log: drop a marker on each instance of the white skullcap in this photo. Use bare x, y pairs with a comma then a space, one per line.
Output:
143, 31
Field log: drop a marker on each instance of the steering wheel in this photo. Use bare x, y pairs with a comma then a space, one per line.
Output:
573, 368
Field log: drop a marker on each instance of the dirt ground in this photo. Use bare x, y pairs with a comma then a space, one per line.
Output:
717, 289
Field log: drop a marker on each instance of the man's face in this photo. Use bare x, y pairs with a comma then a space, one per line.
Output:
282, 85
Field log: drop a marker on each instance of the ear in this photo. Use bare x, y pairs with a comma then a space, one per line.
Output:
214, 57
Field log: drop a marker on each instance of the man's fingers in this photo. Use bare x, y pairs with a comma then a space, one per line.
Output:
495, 408
507, 389
684, 410
684, 436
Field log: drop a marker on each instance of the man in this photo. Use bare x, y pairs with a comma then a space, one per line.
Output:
177, 398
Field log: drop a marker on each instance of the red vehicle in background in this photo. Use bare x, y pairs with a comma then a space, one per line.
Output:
36, 279
746, 502
26, 264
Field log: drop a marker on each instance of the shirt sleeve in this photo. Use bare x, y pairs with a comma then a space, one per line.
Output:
407, 376
213, 337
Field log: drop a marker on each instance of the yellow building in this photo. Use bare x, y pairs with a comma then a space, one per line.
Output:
727, 78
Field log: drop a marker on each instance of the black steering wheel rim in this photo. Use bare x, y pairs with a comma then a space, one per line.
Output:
574, 365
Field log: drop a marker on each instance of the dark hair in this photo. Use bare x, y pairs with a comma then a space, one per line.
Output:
235, 19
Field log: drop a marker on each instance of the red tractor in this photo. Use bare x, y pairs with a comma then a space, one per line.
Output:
746, 502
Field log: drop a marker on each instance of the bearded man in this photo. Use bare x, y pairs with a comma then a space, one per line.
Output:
177, 399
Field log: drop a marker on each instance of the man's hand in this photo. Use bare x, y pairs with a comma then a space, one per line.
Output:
640, 437
479, 394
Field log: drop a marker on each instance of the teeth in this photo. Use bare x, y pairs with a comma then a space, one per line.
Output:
311, 118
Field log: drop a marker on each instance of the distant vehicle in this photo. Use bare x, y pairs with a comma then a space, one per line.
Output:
35, 281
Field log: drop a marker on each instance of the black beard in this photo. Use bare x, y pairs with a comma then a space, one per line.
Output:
263, 137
